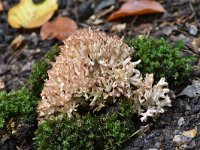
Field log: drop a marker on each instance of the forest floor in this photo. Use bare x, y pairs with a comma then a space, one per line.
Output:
181, 21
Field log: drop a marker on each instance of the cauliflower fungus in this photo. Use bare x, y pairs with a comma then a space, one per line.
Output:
98, 67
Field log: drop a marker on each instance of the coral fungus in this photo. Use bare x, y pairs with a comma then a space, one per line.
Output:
97, 67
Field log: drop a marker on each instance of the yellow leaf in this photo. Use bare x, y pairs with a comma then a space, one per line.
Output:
29, 15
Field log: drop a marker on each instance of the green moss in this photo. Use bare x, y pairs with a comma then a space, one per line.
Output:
163, 59
16, 104
106, 131
39, 71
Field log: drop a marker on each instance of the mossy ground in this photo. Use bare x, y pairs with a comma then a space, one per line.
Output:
16, 104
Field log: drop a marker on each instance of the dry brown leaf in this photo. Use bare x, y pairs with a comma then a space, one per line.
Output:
60, 28
1, 6
136, 7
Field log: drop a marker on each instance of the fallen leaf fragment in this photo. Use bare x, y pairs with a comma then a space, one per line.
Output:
191, 133
196, 45
60, 28
118, 27
1, 7
16, 43
2, 85
136, 7
29, 15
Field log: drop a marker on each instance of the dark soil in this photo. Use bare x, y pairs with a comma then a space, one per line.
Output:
175, 24
161, 133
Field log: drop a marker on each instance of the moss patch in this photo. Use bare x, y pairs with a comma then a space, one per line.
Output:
16, 104
106, 131
162, 59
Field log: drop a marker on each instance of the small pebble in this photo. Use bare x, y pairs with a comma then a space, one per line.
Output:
193, 30
181, 121
187, 107
177, 132
181, 139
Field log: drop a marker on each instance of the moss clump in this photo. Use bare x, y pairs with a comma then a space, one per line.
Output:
39, 71
106, 131
16, 104
162, 59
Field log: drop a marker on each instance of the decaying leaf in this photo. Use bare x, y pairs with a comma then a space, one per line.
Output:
60, 28
136, 7
29, 15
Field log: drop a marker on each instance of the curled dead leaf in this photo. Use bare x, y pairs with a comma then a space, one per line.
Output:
136, 7
29, 15
60, 28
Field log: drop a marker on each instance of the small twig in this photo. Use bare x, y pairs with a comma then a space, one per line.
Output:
134, 20
136, 132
